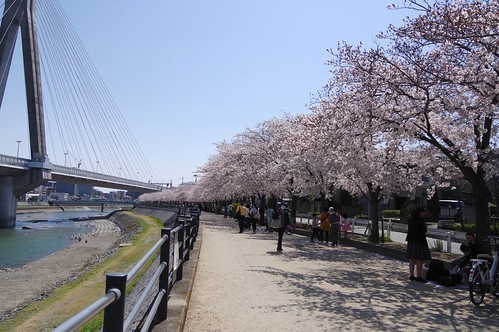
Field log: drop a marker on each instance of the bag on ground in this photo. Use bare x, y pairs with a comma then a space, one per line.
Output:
452, 279
436, 270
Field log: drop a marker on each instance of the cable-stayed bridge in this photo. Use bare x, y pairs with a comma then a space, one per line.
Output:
85, 127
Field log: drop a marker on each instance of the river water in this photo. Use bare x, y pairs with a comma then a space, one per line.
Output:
48, 232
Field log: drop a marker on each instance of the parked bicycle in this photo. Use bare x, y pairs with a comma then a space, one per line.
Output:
484, 275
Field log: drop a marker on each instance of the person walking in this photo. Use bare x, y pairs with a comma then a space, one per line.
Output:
417, 246
241, 212
254, 215
315, 228
334, 220
247, 216
268, 216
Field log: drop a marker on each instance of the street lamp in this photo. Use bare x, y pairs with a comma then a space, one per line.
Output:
18, 142
119, 174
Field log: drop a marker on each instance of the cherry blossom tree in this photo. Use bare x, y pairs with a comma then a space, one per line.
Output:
368, 160
453, 48
438, 79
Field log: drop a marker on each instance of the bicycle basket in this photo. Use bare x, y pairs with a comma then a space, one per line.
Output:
494, 243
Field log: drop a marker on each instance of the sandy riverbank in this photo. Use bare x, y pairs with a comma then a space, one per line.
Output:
20, 286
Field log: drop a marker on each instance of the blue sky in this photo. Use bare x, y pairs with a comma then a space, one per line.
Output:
187, 74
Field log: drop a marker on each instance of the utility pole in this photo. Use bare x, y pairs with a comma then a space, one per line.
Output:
18, 142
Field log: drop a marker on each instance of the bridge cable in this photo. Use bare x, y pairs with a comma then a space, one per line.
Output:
84, 94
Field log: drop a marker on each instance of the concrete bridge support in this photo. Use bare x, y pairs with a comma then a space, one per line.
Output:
21, 14
8, 202
13, 186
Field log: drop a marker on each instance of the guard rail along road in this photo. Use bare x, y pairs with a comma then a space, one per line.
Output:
174, 247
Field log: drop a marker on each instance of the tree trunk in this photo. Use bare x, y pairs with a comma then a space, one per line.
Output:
293, 207
262, 207
323, 203
373, 213
481, 200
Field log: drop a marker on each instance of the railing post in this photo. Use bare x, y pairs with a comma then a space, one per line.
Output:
192, 234
114, 315
188, 239
164, 256
196, 222
181, 240
449, 241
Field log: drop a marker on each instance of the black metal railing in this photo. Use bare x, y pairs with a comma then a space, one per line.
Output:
174, 246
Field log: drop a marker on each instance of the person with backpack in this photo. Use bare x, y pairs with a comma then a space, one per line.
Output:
417, 246
324, 226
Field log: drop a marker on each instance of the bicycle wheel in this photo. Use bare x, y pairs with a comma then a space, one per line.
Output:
477, 288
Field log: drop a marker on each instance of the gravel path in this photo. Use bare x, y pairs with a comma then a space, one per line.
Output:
243, 284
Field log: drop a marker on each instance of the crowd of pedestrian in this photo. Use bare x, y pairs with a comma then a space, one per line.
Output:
327, 227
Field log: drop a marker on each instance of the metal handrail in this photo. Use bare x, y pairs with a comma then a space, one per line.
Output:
114, 301
154, 308
143, 297
89, 312
137, 267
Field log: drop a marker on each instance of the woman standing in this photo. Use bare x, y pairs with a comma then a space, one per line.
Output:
417, 246
280, 223
324, 226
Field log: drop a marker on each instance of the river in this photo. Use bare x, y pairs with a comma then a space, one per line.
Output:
44, 234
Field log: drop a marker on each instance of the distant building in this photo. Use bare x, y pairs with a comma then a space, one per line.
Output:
58, 196
75, 189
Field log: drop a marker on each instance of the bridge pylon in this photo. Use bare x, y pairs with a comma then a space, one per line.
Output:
21, 15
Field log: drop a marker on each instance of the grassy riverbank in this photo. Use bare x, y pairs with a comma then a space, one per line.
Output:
75, 295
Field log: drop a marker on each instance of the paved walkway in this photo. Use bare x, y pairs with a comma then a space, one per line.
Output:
243, 284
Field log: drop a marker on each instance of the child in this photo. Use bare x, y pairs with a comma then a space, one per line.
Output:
315, 228
345, 225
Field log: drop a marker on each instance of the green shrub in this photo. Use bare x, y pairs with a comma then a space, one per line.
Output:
466, 228
390, 213
361, 216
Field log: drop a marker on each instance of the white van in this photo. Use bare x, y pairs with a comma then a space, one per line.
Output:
450, 208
